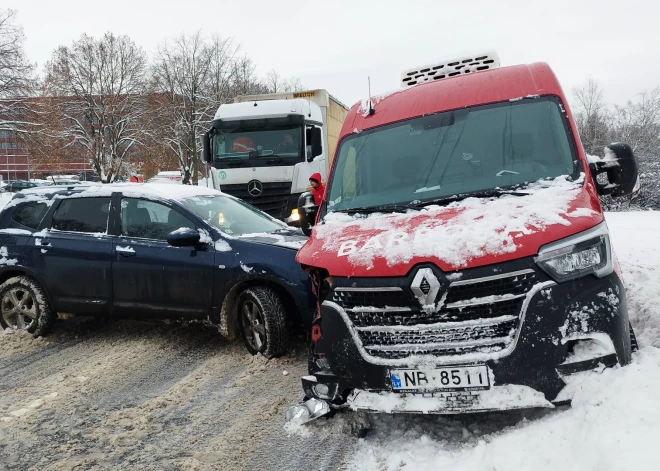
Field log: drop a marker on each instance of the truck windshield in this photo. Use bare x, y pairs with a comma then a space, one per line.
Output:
230, 215
472, 150
258, 146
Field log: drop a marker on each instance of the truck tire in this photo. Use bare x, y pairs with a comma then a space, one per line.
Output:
24, 306
262, 322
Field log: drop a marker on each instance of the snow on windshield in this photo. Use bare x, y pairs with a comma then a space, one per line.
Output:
454, 233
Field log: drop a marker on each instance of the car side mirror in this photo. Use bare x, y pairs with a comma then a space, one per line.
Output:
206, 147
620, 167
307, 211
183, 237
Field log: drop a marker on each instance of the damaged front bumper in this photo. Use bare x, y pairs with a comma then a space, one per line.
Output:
566, 331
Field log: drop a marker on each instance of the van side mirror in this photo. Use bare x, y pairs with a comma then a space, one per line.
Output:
307, 211
620, 167
206, 147
314, 140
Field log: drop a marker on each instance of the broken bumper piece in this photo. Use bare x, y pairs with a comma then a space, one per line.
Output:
309, 410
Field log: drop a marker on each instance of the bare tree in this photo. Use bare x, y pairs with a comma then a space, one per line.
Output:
194, 76
244, 78
16, 80
276, 84
591, 116
638, 124
100, 89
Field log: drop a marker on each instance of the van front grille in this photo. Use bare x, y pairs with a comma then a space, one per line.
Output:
476, 316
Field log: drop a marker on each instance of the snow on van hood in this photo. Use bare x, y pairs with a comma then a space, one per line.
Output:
465, 234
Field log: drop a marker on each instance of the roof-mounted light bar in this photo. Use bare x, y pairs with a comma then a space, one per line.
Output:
468, 64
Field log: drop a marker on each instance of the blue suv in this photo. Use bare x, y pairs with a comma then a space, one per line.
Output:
149, 250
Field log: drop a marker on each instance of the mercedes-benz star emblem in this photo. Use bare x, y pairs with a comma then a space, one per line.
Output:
255, 188
425, 287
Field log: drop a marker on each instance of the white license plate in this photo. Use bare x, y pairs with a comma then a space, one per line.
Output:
457, 378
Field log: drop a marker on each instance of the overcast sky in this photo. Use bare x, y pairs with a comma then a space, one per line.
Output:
336, 44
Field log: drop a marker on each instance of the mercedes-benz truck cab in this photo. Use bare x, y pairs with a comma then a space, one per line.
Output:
264, 148
461, 259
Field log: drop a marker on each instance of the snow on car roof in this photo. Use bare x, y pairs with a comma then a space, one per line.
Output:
133, 189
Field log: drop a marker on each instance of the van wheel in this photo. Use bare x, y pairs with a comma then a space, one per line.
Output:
262, 321
633, 340
23, 306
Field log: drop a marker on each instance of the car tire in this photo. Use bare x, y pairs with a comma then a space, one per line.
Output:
262, 322
24, 306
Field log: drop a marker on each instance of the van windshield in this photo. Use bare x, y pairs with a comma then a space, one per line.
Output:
471, 150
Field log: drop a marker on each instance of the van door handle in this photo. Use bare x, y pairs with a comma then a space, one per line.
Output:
125, 251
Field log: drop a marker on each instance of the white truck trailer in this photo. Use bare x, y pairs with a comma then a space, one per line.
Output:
264, 148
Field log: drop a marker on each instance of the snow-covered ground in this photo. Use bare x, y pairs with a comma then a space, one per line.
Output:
614, 423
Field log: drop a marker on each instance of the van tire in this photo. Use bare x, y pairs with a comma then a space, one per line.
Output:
262, 322
24, 295
633, 340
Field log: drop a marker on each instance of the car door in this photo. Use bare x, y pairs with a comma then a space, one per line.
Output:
151, 277
73, 257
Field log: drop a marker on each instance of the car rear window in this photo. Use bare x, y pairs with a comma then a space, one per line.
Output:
82, 215
29, 214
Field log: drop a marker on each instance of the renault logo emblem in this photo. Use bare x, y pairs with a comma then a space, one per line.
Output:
425, 287
255, 188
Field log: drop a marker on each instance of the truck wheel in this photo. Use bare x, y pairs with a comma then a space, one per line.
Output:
23, 306
262, 321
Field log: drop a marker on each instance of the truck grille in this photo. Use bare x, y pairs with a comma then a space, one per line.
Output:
273, 200
476, 316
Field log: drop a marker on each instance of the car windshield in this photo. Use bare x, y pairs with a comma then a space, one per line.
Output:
265, 145
231, 216
472, 150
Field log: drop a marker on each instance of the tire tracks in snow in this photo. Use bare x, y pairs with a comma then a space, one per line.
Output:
155, 396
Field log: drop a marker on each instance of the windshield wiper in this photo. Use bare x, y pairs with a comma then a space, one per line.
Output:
272, 158
474, 194
232, 161
384, 208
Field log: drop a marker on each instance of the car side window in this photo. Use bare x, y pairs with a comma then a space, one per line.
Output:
82, 215
29, 214
146, 219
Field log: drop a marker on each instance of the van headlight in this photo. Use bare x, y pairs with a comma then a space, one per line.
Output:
586, 253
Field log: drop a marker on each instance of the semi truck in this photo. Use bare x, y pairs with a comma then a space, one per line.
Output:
263, 148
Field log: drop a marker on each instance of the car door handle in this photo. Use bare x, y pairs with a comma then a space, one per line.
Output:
125, 251
43, 245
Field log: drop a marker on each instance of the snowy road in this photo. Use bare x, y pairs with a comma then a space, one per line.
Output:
136, 395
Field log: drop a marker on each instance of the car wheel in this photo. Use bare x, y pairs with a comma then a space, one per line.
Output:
262, 322
23, 306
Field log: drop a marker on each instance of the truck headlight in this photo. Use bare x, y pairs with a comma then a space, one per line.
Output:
294, 215
586, 253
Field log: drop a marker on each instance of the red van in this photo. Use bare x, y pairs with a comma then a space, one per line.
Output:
460, 258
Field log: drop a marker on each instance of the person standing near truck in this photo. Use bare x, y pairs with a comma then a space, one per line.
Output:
318, 190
